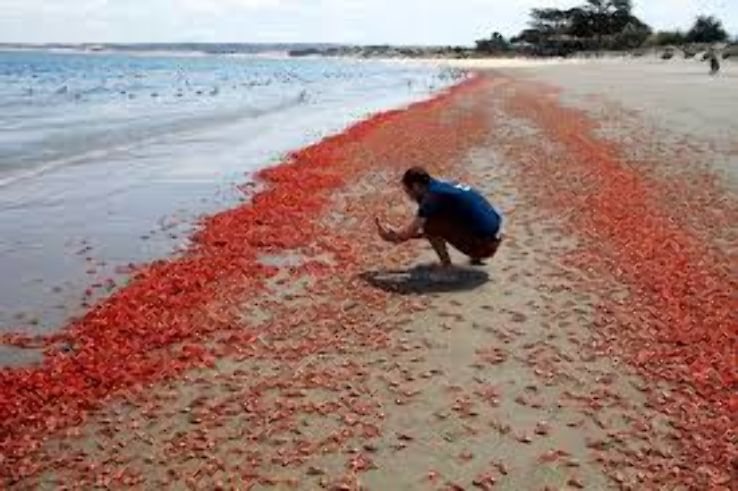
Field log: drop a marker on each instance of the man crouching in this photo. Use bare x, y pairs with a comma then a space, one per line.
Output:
448, 213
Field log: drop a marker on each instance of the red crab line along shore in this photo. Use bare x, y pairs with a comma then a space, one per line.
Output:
680, 322
155, 327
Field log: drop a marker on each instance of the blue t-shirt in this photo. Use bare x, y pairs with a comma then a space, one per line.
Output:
463, 205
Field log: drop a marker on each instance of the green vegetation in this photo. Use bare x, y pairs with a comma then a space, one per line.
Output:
596, 25
707, 30
667, 38
495, 44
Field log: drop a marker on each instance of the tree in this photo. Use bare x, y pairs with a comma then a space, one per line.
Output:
608, 17
495, 44
707, 29
633, 35
596, 24
598, 17
623, 5
550, 20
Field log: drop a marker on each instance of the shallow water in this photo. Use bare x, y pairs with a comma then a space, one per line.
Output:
107, 159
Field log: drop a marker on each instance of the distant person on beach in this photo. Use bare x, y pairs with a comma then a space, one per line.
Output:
448, 213
714, 63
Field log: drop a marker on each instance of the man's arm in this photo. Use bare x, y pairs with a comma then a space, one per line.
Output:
413, 230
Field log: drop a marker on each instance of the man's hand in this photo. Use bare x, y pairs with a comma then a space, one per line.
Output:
385, 233
414, 230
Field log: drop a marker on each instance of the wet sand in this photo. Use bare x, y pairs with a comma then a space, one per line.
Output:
358, 367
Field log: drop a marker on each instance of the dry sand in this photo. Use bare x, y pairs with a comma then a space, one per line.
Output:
499, 379
677, 97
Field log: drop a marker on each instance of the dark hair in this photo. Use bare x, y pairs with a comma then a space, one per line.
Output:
416, 175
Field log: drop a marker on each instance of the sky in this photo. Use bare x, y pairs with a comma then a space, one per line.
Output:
434, 22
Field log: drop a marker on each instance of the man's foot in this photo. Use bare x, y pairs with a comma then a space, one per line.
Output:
439, 245
477, 262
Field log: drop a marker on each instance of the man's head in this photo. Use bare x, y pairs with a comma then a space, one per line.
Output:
415, 182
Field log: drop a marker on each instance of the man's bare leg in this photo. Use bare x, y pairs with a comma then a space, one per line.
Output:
439, 245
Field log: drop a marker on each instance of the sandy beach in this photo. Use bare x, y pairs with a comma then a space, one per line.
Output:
290, 349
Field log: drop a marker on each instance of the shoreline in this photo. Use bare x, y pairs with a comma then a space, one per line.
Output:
152, 165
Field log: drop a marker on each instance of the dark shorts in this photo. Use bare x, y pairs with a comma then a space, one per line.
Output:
462, 238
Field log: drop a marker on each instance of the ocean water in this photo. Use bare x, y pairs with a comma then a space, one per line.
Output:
108, 159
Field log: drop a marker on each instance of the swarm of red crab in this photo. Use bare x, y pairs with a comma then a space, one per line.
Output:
157, 326
680, 320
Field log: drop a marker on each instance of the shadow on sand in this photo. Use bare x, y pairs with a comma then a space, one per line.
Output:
426, 279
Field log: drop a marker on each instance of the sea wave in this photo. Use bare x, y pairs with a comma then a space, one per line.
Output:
79, 148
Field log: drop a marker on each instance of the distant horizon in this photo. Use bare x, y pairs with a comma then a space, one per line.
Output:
216, 43
266, 44
341, 22
258, 47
